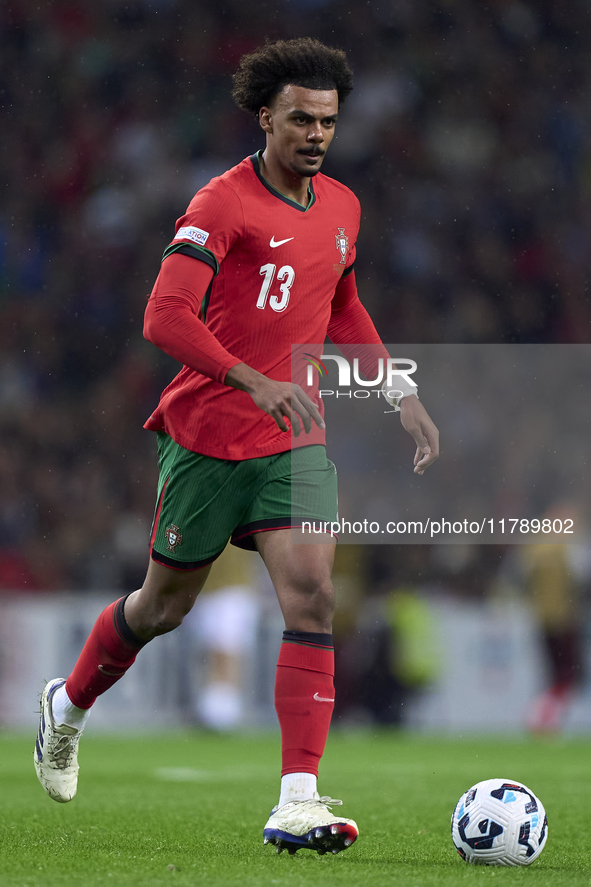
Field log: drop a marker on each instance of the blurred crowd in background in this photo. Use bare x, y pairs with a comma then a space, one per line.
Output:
467, 140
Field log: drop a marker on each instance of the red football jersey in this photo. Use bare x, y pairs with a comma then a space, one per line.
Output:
276, 266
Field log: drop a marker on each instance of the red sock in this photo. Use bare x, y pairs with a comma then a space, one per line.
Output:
109, 651
304, 699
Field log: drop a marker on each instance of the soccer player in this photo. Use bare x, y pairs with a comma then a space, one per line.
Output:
262, 258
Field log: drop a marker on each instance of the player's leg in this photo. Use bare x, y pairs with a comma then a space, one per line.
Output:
304, 693
127, 625
119, 633
304, 688
190, 530
300, 486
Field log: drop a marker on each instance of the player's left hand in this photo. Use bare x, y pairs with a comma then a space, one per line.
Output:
416, 421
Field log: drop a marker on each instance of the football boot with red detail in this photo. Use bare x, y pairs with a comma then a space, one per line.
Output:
310, 825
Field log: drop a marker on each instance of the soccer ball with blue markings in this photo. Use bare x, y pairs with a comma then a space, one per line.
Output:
499, 822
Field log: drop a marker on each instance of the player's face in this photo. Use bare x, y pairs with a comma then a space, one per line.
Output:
300, 126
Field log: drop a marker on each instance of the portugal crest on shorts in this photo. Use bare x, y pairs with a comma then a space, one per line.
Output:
342, 245
173, 537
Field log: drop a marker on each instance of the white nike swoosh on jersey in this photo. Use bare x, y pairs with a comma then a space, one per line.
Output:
273, 243
322, 698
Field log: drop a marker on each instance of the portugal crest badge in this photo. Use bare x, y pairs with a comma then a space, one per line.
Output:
173, 537
342, 245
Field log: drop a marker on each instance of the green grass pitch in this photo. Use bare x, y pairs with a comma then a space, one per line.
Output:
189, 808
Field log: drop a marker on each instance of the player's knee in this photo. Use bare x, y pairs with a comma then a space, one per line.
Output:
166, 623
163, 614
170, 614
326, 601
316, 595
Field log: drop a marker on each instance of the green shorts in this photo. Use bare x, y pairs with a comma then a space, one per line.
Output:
203, 502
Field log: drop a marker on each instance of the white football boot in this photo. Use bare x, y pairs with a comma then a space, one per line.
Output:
56, 751
309, 824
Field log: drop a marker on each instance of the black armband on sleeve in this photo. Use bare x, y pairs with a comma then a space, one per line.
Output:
196, 252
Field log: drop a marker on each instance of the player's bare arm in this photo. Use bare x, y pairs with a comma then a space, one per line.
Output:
416, 421
278, 399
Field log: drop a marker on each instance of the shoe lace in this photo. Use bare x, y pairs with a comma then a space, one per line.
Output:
63, 749
329, 802
326, 800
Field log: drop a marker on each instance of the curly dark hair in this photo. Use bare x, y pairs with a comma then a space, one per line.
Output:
306, 62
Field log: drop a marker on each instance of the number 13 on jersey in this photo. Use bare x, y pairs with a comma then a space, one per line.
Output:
286, 277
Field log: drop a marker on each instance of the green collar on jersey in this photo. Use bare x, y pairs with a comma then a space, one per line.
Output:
256, 162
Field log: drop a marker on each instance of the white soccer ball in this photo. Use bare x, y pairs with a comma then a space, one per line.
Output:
499, 822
